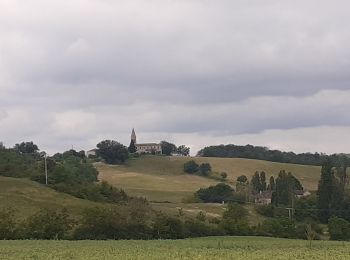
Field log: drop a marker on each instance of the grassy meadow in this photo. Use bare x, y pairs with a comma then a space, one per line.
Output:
249, 248
162, 179
27, 197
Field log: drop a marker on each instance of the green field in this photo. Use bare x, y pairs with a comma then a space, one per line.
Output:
201, 248
160, 178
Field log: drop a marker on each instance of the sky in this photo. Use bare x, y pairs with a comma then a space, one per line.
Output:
196, 72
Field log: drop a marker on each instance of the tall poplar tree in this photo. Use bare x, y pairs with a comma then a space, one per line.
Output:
329, 193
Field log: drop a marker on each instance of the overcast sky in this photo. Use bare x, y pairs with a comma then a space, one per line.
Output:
195, 72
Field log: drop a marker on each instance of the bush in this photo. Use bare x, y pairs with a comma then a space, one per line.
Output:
266, 210
302, 227
191, 167
283, 228
205, 169
223, 175
48, 224
8, 224
339, 229
166, 227
102, 192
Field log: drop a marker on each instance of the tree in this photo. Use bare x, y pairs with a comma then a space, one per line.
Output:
112, 152
205, 169
286, 185
168, 148
26, 148
242, 184
242, 179
191, 167
132, 147
215, 194
183, 150
342, 162
263, 181
272, 185
329, 193
255, 182
234, 220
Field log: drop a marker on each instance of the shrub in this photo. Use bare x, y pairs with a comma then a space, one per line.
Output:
191, 167
166, 227
278, 228
266, 210
48, 224
339, 229
8, 225
223, 175
205, 169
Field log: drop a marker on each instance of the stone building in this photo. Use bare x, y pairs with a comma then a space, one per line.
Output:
153, 148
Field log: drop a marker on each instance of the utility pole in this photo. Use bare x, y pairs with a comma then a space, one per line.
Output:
45, 169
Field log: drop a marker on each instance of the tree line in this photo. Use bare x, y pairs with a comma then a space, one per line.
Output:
263, 153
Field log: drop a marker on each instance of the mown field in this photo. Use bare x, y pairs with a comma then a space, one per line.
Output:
202, 248
162, 179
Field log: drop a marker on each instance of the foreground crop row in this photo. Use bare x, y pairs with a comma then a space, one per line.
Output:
203, 248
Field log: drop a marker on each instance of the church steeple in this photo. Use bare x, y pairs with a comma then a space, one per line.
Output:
133, 136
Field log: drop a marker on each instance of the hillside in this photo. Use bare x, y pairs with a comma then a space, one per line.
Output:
161, 179
28, 197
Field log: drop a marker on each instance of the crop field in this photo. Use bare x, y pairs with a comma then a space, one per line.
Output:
161, 179
202, 248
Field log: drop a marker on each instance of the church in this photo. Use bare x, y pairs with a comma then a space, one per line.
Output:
152, 148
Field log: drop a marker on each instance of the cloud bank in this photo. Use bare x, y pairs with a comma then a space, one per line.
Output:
196, 72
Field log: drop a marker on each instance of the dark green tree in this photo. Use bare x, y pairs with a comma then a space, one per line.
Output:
272, 185
324, 192
112, 152
26, 148
191, 167
205, 169
183, 150
262, 181
215, 194
242, 179
168, 148
339, 229
132, 147
255, 182
286, 185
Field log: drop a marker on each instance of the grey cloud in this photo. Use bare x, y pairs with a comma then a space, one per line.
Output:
173, 67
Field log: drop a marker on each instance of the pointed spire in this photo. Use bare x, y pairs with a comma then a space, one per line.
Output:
133, 136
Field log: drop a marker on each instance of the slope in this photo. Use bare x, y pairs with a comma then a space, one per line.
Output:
160, 178
27, 197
